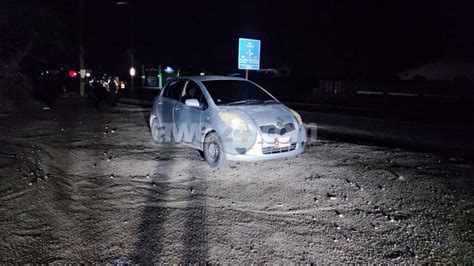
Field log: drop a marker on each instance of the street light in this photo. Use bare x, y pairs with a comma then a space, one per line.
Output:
132, 72
169, 70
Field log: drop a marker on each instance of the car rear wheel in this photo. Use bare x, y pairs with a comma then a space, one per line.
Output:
214, 151
156, 131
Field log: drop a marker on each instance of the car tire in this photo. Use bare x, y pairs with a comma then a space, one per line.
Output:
214, 151
156, 131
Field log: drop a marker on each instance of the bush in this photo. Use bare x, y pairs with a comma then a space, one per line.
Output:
16, 93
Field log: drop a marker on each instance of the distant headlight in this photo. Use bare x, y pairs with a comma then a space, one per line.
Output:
234, 120
297, 116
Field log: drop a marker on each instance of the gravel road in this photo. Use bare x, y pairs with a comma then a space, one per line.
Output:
88, 185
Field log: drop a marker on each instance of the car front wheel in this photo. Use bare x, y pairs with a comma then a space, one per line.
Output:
214, 151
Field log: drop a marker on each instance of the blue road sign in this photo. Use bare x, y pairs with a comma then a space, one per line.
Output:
249, 54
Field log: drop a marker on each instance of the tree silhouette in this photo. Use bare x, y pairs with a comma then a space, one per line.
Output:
31, 32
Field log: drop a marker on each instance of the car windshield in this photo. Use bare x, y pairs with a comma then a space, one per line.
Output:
236, 92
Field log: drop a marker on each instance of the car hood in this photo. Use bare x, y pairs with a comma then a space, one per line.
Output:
261, 113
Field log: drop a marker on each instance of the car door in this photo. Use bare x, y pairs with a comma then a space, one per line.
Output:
171, 95
187, 119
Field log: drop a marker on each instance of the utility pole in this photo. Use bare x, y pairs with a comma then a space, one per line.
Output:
132, 70
81, 47
130, 20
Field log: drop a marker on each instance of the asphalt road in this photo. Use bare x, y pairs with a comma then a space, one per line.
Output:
447, 136
88, 186
416, 135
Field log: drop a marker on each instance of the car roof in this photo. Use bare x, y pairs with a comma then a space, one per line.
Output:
210, 77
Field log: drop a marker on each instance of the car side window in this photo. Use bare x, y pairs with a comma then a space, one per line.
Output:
192, 91
166, 89
174, 90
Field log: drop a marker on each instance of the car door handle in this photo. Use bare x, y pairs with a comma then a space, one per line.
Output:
177, 108
160, 102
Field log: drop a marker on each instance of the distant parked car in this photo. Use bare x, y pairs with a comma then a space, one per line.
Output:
226, 118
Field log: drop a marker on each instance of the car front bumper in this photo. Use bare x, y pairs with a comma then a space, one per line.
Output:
256, 152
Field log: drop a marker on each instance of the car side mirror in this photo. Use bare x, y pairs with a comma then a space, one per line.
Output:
192, 103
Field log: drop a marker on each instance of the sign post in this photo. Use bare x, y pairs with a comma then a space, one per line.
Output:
249, 55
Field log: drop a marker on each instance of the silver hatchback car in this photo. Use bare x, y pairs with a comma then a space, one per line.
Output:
226, 119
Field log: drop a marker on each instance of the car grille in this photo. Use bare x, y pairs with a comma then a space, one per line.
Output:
272, 129
272, 150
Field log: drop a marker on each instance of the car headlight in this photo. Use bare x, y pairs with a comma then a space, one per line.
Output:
297, 116
234, 120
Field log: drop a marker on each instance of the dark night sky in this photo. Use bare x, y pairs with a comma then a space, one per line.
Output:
322, 37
